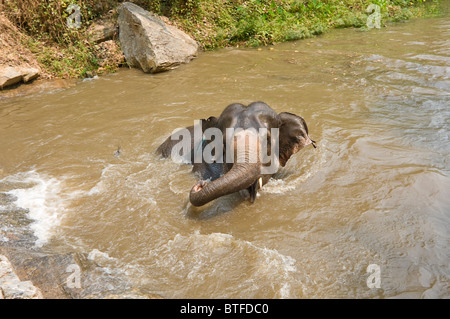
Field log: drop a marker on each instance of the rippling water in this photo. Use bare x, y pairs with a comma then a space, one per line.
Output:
375, 191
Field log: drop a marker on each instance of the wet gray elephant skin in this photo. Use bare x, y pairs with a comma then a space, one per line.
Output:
241, 172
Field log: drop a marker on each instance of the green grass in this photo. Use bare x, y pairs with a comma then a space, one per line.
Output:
260, 22
62, 52
62, 61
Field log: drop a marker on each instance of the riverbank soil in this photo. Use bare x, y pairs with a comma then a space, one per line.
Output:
12, 50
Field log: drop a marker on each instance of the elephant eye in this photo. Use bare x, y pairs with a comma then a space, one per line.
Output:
301, 134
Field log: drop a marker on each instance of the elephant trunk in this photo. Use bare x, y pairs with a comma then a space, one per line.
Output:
245, 171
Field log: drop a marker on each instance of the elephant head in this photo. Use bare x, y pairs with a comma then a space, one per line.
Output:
245, 169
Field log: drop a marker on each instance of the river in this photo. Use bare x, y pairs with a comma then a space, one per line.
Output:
365, 215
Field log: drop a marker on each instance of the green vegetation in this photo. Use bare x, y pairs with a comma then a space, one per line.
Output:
66, 52
261, 22
63, 52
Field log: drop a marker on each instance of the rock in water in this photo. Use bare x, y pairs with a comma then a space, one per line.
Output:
29, 74
11, 287
149, 43
13, 75
9, 76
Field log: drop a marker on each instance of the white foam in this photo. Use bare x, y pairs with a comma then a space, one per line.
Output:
280, 186
284, 183
226, 256
100, 186
41, 195
100, 258
277, 186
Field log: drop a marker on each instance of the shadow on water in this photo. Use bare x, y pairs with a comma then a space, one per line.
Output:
224, 205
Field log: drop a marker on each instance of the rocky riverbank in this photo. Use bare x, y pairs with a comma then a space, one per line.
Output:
138, 36
17, 62
37, 42
11, 287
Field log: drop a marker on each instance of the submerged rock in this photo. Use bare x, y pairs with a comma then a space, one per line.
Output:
53, 273
151, 44
69, 275
11, 287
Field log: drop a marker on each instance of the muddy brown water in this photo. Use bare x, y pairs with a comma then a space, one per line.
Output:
376, 191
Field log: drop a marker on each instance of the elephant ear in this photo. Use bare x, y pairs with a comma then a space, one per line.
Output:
293, 135
209, 122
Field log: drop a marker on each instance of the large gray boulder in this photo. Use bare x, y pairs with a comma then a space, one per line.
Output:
149, 43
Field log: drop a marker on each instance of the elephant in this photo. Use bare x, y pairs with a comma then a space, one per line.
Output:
236, 167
